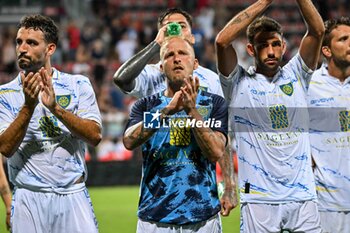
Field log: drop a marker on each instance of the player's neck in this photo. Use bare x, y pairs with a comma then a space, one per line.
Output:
340, 73
172, 89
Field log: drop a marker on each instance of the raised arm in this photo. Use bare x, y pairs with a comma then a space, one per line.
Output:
311, 43
88, 130
226, 54
12, 137
125, 76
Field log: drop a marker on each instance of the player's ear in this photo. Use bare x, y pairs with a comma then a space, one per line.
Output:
51, 48
250, 49
195, 64
326, 51
192, 39
284, 47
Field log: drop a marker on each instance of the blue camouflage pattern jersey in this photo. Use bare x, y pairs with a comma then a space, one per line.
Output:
270, 121
50, 158
178, 183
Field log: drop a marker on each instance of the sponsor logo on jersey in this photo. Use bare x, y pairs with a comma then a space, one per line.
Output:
279, 116
344, 119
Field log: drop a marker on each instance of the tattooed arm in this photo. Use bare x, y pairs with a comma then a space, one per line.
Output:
229, 198
136, 135
226, 54
125, 76
212, 143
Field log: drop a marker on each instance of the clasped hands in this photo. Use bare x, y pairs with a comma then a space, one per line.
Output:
185, 98
38, 84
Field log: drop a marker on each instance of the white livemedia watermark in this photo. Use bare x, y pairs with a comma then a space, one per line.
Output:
152, 120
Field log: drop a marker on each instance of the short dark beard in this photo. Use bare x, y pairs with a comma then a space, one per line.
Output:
175, 85
341, 64
30, 67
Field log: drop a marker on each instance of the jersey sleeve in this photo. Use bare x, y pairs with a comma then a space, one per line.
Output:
87, 107
136, 113
209, 80
230, 82
6, 113
302, 72
220, 113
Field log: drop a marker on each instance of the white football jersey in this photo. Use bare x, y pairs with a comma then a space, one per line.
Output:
329, 109
270, 121
152, 80
50, 158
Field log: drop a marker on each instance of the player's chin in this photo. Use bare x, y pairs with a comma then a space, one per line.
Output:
23, 64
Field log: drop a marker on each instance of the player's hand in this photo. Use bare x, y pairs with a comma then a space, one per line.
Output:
48, 97
228, 201
161, 35
31, 87
189, 93
176, 104
8, 222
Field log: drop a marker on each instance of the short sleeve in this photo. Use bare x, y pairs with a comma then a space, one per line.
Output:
220, 113
87, 107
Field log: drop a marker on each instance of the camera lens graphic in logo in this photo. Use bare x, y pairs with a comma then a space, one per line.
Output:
151, 120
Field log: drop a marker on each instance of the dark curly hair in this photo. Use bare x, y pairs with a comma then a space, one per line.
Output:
42, 23
330, 25
172, 11
262, 24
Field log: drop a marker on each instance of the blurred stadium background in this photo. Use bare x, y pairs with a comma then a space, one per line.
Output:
97, 36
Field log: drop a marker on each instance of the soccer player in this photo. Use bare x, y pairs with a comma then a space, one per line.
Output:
270, 120
328, 99
5, 194
46, 116
140, 79
181, 141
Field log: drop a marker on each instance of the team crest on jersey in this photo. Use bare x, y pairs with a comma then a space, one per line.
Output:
203, 88
63, 100
203, 111
287, 89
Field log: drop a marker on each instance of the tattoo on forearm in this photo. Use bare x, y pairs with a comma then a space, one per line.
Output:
5, 190
240, 18
139, 136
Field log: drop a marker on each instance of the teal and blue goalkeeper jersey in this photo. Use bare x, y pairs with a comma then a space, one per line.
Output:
178, 182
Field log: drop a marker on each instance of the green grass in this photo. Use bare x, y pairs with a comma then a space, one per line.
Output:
115, 209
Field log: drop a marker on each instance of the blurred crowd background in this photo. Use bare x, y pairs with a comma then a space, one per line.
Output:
97, 36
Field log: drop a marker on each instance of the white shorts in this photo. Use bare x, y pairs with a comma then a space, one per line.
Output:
335, 222
290, 217
39, 212
212, 225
